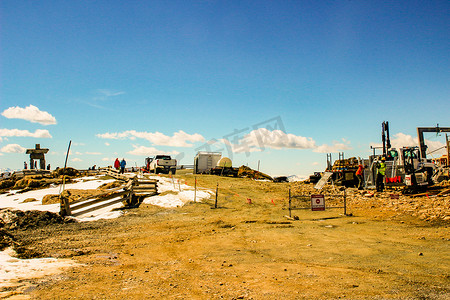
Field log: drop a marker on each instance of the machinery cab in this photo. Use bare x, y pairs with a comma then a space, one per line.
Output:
418, 171
391, 154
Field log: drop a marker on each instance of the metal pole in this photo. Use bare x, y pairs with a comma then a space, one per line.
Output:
64, 203
258, 165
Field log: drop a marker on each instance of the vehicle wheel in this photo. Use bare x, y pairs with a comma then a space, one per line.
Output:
173, 171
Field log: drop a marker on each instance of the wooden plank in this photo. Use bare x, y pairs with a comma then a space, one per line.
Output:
143, 191
146, 182
446, 191
97, 207
323, 180
97, 196
145, 194
97, 200
146, 186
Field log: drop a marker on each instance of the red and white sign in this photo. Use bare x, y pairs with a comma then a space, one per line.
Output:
317, 202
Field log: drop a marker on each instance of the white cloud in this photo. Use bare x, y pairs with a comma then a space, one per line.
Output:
278, 139
107, 159
30, 113
400, 140
335, 147
39, 133
76, 159
259, 139
13, 148
93, 153
107, 144
78, 153
179, 139
315, 163
149, 151
110, 93
436, 148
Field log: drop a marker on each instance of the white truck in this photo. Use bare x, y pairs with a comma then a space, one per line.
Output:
162, 164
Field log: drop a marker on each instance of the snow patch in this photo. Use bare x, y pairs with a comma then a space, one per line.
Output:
14, 269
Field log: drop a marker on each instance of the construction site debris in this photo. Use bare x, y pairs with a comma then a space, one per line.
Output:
432, 206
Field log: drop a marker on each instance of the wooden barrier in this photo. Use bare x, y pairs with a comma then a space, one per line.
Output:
131, 194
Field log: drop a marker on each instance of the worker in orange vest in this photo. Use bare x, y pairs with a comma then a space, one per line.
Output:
359, 175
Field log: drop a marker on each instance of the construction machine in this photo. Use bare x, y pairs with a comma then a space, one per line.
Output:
418, 172
407, 166
421, 172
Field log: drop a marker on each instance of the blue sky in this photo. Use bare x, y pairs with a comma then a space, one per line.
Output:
133, 78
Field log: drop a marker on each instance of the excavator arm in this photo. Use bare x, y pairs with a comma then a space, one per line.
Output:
421, 130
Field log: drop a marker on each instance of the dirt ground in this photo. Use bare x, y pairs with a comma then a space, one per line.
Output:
247, 249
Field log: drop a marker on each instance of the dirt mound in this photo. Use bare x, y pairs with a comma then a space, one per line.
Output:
68, 172
6, 183
16, 219
72, 194
6, 239
110, 185
50, 199
29, 182
33, 182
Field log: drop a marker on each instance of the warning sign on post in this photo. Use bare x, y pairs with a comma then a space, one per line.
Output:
317, 202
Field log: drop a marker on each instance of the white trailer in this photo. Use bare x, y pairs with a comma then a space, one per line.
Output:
205, 161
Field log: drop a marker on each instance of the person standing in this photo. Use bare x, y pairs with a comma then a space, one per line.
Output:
123, 163
359, 174
117, 164
381, 171
25, 166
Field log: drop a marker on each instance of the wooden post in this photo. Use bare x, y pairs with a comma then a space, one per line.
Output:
65, 206
195, 188
290, 203
217, 191
345, 202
